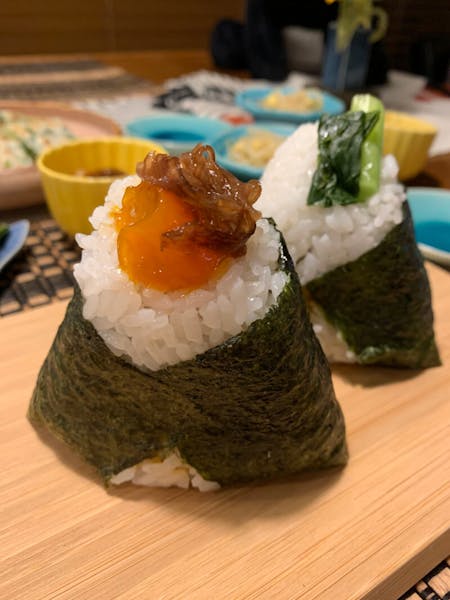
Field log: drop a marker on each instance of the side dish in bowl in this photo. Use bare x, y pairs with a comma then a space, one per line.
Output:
288, 104
29, 128
409, 139
76, 176
245, 151
23, 137
177, 132
430, 210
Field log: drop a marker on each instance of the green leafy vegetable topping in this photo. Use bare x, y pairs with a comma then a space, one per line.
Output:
372, 147
336, 180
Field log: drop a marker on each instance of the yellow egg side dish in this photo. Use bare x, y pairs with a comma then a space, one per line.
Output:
255, 148
408, 138
23, 137
306, 100
402, 121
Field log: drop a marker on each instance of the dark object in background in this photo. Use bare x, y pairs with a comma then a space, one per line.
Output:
264, 47
258, 44
431, 57
378, 65
171, 99
227, 45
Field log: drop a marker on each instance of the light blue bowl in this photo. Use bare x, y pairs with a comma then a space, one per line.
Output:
177, 133
13, 241
223, 142
430, 208
250, 100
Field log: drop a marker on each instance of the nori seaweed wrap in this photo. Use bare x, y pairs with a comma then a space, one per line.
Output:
349, 231
381, 302
259, 404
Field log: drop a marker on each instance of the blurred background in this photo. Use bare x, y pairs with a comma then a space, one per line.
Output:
179, 72
417, 39
53, 26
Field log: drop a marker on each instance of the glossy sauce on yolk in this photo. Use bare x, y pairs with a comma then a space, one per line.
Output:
147, 256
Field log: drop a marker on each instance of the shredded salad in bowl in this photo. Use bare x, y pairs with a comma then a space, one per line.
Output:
23, 137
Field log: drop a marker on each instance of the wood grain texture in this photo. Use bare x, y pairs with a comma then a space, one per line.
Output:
52, 26
367, 532
154, 65
159, 65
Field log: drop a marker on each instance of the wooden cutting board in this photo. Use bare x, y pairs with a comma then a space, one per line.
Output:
367, 532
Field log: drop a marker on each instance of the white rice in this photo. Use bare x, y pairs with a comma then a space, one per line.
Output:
331, 339
152, 329
320, 239
170, 472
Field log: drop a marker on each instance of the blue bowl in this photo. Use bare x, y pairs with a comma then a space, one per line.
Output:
430, 208
177, 133
250, 100
242, 170
13, 241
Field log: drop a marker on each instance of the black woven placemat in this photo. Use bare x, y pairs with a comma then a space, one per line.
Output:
42, 272
434, 586
65, 80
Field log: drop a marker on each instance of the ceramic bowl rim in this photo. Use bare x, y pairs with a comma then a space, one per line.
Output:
127, 141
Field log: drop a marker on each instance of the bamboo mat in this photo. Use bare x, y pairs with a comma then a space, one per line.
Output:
42, 272
434, 586
65, 79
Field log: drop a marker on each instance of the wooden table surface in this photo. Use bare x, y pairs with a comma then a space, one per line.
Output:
367, 532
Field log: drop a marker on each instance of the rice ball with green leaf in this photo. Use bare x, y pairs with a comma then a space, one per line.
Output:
349, 231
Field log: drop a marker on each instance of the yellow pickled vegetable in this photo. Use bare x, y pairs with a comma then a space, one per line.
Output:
256, 148
298, 101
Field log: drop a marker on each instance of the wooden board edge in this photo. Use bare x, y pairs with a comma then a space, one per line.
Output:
409, 573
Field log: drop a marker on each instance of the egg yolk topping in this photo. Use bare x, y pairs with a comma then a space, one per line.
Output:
152, 259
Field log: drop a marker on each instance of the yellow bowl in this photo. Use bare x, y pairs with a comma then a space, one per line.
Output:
71, 198
408, 139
